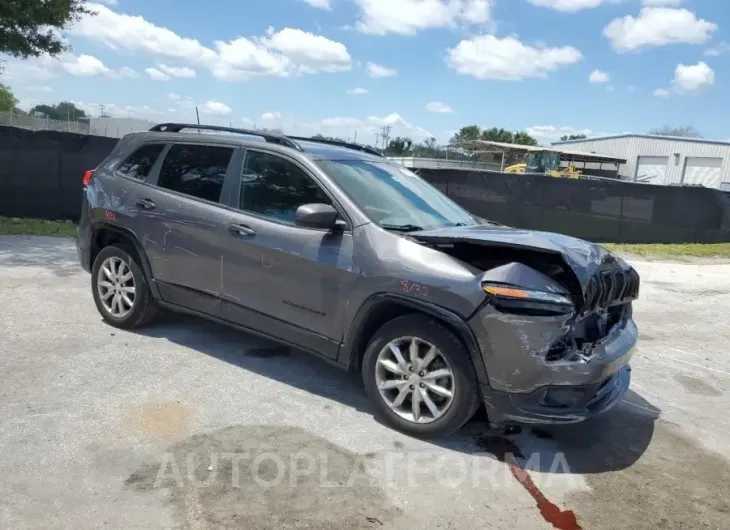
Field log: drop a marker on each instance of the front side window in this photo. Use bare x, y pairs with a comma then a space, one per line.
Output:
139, 164
196, 170
275, 187
395, 197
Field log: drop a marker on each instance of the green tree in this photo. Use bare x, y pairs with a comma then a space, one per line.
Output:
497, 135
685, 131
569, 137
522, 138
64, 111
399, 146
7, 99
466, 134
31, 28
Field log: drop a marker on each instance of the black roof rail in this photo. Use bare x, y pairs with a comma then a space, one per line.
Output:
340, 143
269, 137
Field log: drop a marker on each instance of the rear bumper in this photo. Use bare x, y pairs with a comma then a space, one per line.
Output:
83, 254
524, 387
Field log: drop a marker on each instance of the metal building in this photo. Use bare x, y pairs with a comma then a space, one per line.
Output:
663, 159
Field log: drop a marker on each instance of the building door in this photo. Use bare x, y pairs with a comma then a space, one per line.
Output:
652, 169
702, 171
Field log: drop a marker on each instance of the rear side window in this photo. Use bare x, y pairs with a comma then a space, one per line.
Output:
138, 164
196, 170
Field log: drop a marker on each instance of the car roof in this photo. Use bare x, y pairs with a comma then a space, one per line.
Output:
312, 148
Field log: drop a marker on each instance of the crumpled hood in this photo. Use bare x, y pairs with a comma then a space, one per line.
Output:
583, 257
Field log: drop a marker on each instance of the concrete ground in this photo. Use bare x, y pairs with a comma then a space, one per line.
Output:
187, 424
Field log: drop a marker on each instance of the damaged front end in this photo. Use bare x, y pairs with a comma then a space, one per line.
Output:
556, 331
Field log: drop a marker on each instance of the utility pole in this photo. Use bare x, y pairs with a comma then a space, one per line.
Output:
386, 136
103, 113
355, 140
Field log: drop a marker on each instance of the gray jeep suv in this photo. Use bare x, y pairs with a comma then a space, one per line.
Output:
331, 248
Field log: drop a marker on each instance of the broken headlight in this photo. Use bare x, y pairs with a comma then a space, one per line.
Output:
513, 299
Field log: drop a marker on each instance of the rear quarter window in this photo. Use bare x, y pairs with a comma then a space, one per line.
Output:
139, 164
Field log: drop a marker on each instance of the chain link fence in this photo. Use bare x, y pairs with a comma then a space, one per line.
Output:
41, 123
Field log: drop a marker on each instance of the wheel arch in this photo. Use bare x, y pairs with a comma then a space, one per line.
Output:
384, 307
105, 234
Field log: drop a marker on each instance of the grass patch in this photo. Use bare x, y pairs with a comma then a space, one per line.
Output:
36, 227
693, 250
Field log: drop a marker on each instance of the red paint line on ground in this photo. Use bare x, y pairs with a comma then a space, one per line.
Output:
506, 451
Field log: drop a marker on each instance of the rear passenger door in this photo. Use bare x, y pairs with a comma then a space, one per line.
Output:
288, 281
182, 214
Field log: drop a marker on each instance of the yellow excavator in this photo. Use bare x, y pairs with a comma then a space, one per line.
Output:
545, 162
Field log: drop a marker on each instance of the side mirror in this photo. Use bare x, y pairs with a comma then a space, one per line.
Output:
317, 215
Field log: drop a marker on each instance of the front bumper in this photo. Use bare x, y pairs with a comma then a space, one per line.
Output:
524, 387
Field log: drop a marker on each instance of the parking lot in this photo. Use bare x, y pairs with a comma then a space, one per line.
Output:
188, 424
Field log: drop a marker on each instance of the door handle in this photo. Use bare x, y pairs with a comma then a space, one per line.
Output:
242, 229
146, 204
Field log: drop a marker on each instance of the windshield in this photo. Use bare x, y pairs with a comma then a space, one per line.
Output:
395, 197
540, 162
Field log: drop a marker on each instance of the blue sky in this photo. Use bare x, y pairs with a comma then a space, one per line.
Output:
425, 67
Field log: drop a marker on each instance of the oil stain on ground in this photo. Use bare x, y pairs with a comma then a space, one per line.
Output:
331, 490
697, 386
674, 484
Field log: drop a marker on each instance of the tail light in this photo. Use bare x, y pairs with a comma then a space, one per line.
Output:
87, 177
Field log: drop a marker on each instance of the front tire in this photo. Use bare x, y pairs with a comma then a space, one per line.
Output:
120, 289
420, 378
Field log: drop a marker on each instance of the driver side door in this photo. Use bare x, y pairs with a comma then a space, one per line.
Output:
288, 281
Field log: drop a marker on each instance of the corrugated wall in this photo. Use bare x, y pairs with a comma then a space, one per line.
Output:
631, 148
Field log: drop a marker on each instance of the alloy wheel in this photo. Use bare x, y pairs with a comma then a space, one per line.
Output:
415, 379
117, 290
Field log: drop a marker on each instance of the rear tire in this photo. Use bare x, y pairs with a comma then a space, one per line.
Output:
120, 289
444, 403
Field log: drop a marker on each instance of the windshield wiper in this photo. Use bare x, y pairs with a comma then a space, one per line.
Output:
402, 228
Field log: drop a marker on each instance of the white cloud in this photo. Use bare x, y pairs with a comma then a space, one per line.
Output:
358, 91
610, 88
320, 4
157, 75
270, 116
438, 107
109, 2
83, 65
172, 96
312, 53
128, 73
658, 26
720, 49
42, 88
549, 133
598, 76
45, 67
631, 88
118, 111
689, 79
284, 53
661, 93
661, 2
347, 127
376, 70
571, 6
177, 71
408, 17
215, 108
508, 59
